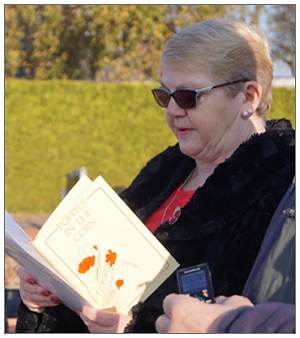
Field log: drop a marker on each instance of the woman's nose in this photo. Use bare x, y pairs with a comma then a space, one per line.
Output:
174, 110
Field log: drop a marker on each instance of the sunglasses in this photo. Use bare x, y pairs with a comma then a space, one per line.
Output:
186, 98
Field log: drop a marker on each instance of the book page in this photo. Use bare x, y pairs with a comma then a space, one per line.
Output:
19, 246
100, 246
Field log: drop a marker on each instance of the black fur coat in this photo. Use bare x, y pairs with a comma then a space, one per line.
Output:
223, 224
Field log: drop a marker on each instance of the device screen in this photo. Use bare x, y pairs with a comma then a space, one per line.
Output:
196, 282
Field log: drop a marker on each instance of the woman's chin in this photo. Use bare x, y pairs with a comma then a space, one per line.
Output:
186, 149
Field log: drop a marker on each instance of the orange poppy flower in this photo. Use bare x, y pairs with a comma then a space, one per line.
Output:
119, 283
111, 257
86, 264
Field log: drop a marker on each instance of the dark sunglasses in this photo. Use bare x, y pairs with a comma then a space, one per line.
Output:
186, 98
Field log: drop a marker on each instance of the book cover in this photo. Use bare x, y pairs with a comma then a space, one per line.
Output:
101, 248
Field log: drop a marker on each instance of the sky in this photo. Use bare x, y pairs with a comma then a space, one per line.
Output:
281, 70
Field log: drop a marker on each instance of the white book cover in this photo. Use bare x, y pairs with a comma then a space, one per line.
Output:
101, 248
19, 246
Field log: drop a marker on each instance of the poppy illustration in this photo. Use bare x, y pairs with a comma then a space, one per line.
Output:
86, 264
119, 283
111, 257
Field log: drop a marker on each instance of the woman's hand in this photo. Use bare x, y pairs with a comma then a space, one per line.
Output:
33, 295
99, 321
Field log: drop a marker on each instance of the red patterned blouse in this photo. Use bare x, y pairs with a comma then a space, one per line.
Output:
169, 210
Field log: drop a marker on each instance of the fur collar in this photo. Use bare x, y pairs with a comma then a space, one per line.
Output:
236, 183
227, 192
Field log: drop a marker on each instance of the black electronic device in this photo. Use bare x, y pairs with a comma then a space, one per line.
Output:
196, 281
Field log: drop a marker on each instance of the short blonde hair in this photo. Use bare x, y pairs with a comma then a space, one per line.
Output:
228, 51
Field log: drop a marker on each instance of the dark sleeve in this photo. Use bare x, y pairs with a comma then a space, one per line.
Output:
262, 318
58, 319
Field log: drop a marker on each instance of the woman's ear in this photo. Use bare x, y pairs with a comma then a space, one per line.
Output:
253, 93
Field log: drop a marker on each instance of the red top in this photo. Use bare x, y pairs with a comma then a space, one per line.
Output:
166, 212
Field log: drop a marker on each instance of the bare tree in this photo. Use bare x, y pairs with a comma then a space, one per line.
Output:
282, 34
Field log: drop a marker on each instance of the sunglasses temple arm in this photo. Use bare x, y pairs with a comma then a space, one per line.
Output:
229, 83
204, 90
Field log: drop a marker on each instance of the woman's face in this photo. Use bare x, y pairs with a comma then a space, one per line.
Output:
206, 131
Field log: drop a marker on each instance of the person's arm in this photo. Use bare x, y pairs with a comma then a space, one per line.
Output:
235, 314
58, 319
263, 318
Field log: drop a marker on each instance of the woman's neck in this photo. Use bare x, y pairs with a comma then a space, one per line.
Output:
258, 125
205, 168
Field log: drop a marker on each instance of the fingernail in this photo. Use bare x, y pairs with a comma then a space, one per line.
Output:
55, 300
31, 281
45, 293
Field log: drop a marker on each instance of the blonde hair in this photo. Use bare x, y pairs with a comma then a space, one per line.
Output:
228, 51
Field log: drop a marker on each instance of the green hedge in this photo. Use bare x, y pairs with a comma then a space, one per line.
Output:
54, 127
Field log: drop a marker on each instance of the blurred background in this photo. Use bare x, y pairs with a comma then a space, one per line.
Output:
77, 93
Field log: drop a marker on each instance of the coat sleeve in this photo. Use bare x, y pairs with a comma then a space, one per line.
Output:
58, 319
262, 318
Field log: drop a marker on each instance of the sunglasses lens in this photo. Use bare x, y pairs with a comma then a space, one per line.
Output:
161, 97
185, 98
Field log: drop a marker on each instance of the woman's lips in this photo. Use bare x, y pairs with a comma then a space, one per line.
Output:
183, 131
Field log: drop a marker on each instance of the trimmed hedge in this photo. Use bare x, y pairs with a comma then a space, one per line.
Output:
54, 127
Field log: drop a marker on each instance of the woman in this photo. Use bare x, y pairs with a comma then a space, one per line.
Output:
210, 197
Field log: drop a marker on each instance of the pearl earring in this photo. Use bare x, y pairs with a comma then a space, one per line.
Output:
246, 113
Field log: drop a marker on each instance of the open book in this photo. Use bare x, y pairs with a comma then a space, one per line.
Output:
92, 250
